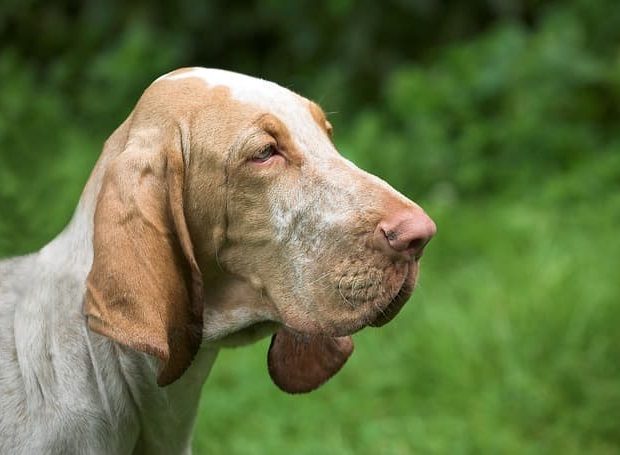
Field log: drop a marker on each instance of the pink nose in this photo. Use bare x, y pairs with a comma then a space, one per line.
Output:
405, 233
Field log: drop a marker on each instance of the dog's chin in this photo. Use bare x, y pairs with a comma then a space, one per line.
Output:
393, 307
394, 304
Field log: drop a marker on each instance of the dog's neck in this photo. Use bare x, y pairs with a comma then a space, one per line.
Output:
166, 414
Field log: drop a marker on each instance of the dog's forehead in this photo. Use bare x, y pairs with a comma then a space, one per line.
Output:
266, 95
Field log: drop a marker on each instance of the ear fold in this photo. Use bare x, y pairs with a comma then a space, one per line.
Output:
145, 289
302, 363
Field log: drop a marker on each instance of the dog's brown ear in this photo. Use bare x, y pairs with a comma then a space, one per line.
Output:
302, 363
145, 289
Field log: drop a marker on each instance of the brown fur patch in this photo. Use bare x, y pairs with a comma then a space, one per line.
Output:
319, 117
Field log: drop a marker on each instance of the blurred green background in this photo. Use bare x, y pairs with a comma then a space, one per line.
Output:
500, 117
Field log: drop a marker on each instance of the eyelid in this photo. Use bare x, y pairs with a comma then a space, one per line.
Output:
257, 140
271, 143
265, 154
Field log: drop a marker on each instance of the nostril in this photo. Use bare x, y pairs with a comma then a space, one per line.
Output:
403, 243
390, 235
406, 234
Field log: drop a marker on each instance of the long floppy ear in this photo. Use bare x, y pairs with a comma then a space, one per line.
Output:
145, 289
301, 363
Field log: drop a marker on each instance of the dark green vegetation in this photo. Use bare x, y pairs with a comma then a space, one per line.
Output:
501, 118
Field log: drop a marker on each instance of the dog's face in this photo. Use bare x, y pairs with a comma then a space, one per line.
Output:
283, 228
300, 220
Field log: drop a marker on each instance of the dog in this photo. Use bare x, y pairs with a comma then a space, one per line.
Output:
218, 213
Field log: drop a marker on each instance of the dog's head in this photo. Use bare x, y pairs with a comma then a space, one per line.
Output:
223, 209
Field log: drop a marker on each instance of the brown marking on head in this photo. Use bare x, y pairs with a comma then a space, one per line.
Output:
319, 117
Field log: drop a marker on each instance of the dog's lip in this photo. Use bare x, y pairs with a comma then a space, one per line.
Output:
352, 326
397, 302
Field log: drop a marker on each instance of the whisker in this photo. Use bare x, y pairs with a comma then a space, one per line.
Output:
342, 295
319, 278
381, 310
358, 286
217, 260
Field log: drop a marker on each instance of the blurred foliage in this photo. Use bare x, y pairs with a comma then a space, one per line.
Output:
499, 116
511, 107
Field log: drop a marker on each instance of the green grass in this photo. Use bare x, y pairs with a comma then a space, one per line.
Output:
511, 344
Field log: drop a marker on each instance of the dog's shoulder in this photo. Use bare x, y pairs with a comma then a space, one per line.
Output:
47, 375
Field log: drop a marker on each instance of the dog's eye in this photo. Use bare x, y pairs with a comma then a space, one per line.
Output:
265, 154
